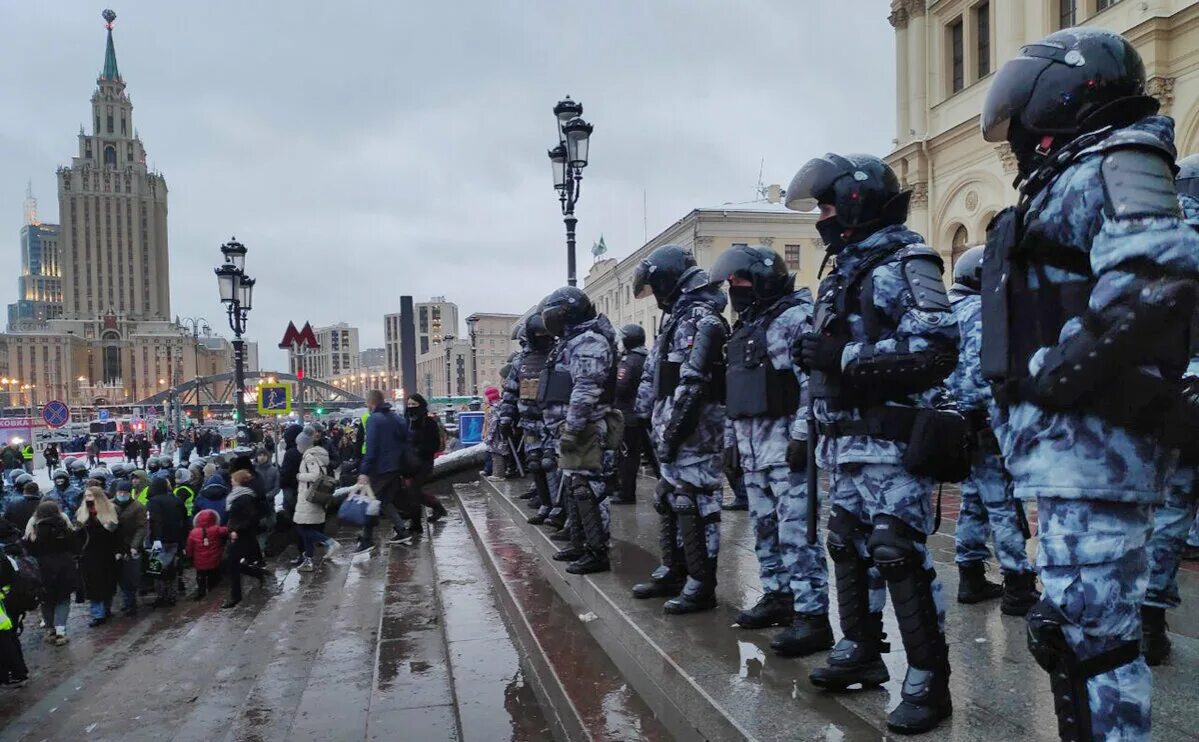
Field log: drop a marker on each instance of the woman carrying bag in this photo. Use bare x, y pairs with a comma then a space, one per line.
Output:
99, 566
314, 493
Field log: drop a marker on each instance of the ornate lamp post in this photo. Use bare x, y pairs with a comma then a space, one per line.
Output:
568, 160
237, 293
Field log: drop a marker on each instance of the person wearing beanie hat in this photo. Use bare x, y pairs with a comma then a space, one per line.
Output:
497, 445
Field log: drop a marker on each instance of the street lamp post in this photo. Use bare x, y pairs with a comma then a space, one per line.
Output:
449, 356
193, 327
568, 160
237, 293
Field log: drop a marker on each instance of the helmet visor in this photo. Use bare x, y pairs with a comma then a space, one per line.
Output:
554, 319
641, 285
814, 179
1009, 93
735, 261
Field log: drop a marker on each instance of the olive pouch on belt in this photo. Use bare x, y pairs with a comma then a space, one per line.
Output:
939, 446
614, 423
581, 452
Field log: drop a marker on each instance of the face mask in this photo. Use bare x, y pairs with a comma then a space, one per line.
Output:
742, 298
830, 233
124, 497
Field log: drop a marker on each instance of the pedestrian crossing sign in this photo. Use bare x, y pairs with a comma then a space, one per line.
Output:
274, 399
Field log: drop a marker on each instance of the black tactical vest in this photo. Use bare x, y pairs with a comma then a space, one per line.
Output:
754, 387
667, 373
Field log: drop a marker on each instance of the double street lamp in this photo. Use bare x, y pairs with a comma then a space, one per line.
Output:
568, 160
237, 293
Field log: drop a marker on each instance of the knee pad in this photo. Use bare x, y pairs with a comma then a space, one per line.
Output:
841, 527
534, 463
685, 505
663, 496
892, 547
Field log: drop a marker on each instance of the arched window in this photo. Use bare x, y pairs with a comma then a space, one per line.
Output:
112, 358
961, 241
110, 156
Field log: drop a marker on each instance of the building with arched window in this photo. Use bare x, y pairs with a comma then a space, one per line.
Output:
946, 54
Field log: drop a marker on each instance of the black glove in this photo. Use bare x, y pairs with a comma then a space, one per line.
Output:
820, 352
732, 463
797, 455
506, 426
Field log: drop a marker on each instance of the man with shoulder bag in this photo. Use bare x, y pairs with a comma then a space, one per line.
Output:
385, 462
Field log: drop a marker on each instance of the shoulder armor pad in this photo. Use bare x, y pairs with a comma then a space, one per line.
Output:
1139, 182
922, 268
1135, 139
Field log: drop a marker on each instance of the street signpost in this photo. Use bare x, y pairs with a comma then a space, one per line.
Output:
56, 414
274, 399
299, 342
102, 415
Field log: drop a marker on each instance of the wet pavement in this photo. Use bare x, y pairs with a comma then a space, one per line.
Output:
726, 683
406, 643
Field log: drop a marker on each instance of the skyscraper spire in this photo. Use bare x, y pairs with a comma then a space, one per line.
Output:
30, 206
110, 53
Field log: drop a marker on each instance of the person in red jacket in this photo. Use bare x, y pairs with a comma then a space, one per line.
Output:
205, 546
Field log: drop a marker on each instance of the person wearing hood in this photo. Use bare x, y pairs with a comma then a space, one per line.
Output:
267, 471
99, 559
131, 532
288, 485
577, 403
212, 497
310, 516
140, 478
50, 540
243, 555
168, 527
426, 441
19, 510
205, 545
683, 398
384, 467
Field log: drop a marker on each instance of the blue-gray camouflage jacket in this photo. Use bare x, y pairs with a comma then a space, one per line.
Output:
588, 352
969, 389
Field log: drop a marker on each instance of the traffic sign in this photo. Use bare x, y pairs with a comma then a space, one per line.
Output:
56, 414
102, 415
274, 399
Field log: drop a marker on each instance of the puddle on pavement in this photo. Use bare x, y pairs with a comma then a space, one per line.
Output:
753, 660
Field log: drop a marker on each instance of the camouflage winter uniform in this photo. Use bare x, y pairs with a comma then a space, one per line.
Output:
988, 508
787, 563
693, 476
867, 477
1095, 482
587, 352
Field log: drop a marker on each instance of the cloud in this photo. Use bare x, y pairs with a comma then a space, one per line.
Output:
364, 150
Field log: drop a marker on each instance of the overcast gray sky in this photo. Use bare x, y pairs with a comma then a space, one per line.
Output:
364, 150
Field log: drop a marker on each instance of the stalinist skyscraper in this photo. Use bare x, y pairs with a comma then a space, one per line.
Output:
113, 212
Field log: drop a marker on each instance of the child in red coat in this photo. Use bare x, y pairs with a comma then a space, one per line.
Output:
205, 545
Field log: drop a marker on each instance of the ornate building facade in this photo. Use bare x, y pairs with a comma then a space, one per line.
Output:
946, 53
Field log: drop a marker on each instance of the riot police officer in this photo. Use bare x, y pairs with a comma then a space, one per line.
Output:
883, 341
683, 396
1176, 515
520, 404
987, 506
1088, 287
767, 434
576, 393
628, 379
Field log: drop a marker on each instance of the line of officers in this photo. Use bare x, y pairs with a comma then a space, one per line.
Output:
1054, 370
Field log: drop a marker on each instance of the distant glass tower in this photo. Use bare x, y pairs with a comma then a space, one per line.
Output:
39, 287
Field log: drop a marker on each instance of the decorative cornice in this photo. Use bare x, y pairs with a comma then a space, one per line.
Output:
919, 194
1162, 88
915, 8
767, 241
898, 18
1007, 157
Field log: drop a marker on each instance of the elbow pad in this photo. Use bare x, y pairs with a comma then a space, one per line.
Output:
903, 372
707, 350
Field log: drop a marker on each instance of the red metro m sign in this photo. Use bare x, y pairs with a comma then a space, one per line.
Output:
299, 339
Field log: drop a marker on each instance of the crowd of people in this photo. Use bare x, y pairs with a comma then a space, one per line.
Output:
891, 384
147, 530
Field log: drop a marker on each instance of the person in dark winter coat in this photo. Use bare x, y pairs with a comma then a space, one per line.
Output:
205, 545
168, 529
143, 445
425, 437
19, 511
289, 486
244, 554
50, 540
131, 530
212, 497
13, 672
99, 567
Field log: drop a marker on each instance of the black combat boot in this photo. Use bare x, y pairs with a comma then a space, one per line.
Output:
772, 609
528, 495
557, 522
700, 591
973, 585
857, 659
1155, 642
697, 595
535, 519
591, 561
668, 579
1019, 593
808, 633
569, 554
562, 535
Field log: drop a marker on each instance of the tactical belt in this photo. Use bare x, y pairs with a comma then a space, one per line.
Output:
886, 423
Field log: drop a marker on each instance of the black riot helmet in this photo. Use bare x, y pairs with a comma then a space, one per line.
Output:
565, 308
864, 190
536, 335
968, 270
1069, 83
765, 270
663, 274
1187, 180
632, 336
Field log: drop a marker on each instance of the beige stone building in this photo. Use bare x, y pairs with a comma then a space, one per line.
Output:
708, 232
448, 366
490, 336
946, 53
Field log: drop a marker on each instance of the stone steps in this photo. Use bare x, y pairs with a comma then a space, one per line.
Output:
571, 671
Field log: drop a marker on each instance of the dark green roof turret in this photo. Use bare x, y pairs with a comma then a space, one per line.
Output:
110, 53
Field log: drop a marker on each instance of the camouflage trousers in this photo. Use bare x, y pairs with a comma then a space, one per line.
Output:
868, 490
1171, 520
988, 510
787, 563
740, 496
1094, 568
696, 486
